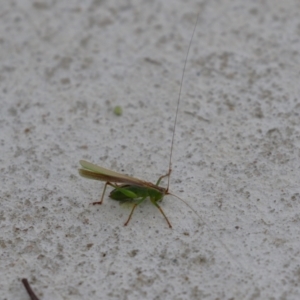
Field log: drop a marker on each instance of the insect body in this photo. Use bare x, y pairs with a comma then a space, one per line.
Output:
134, 190
130, 189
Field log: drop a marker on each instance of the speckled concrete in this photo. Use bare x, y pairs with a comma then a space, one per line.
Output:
65, 65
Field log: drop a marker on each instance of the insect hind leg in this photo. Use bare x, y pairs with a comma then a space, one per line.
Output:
133, 208
162, 212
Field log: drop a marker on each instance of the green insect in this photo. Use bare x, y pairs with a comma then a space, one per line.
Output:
133, 190
130, 189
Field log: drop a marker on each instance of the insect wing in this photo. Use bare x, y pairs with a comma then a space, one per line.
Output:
97, 169
103, 177
118, 179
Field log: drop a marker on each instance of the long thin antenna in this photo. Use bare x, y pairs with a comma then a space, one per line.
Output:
178, 101
212, 232
181, 84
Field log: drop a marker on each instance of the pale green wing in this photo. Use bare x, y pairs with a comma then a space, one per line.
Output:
92, 171
97, 169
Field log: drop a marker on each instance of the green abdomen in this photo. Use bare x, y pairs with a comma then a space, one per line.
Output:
134, 193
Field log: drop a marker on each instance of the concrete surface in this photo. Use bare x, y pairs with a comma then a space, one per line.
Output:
65, 65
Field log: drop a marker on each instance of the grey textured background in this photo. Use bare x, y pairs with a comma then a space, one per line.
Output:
66, 64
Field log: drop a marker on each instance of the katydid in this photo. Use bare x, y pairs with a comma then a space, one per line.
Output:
130, 189
136, 191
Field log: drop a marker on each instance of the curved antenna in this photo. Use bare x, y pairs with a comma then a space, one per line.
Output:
212, 232
178, 101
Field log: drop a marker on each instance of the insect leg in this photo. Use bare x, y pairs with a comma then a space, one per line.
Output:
100, 202
161, 177
162, 212
133, 208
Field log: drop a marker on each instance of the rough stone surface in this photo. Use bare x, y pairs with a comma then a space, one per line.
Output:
65, 65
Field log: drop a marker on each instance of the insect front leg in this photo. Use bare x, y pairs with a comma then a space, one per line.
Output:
161, 177
101, 200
